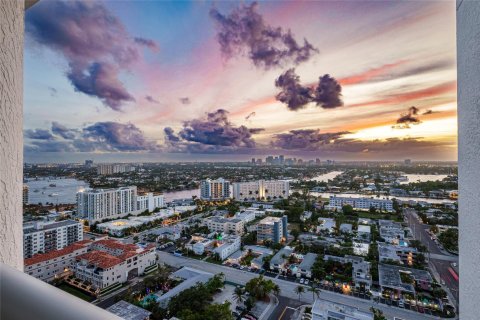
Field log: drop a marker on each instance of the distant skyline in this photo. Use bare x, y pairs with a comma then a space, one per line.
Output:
173, 81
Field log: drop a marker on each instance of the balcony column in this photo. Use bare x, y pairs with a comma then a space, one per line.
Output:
468, 73
11, 128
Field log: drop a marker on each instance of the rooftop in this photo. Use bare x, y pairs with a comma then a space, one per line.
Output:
30, 228
57, 253
333, 310
129, 311
308, 261
270, 220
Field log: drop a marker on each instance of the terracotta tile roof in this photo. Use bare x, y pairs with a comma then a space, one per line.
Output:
114, 244
100, 259
57, 253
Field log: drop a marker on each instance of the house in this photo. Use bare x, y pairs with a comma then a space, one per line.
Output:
346, 227
327, 224
364, 232
305, 267
306, 215
280, 258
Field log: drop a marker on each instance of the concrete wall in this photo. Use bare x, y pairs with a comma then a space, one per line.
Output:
468, 71
11, 137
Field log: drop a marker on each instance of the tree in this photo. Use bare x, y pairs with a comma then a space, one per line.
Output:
347, 209
295, 233
250, 303
315, 292
377, 314
238, 295
434, 229
299, 290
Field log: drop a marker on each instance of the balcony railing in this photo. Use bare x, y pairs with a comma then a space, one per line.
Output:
25, 297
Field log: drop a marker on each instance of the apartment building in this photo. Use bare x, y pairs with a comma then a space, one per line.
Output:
337, 203
247, 215
402, 254
214, 189
110, 262
225, 225
273, 229
109, 168
43, 237
55, 264
261, 189
98, 204
226, 246
150, 202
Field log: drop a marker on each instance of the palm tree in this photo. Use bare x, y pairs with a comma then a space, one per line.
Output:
299, 290
276, 290
238, 295
315, 292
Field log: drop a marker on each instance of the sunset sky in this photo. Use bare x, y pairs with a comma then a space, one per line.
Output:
156, 80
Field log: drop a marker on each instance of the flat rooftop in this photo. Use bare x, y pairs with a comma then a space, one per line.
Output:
128, 311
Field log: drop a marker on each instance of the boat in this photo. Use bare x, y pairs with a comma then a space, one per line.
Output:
36, 190
53, 195
53, 185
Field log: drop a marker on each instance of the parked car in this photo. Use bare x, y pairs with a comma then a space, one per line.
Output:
302, 280
306, 281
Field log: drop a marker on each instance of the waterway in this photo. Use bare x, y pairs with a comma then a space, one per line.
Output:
54, 190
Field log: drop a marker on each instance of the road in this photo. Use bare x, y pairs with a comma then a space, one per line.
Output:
440, 260
287, 288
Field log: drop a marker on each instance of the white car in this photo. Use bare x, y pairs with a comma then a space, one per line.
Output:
302, 281
306, 281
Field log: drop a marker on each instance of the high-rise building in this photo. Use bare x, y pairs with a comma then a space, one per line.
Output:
214, 189
274, 229
253, 160
88, 163
281, 158
108, 168
150, 202
98, 204
261, 189
43, 237
361, 203
408, 162
25, 194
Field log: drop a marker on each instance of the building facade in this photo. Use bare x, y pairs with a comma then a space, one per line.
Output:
337, 203
98, 204
150, 202
225, 225
43, 237
214, 189
272, 229
55, 264
108, 168
110, 262
261, 189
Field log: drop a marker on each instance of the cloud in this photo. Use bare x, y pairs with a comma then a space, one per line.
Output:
61, 130
94, 42
152, 45
244, 31
292, 93
151, 99
100, 136
213, 133
408, 118
307, 140
250, 115
327, 93
185, 100
38, 134
101, 80
53, 91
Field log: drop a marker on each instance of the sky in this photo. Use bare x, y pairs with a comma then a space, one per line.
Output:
212, 81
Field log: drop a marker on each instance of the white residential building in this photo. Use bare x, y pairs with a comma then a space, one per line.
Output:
110, 262
261, 189
43, 237
360, 203
225, 225
329, 310
57, 263
247, 215
150, 202
98, 204
109, 168
227, 246
214, 189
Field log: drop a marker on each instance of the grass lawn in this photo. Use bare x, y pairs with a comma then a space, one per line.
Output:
76, 292
368, 215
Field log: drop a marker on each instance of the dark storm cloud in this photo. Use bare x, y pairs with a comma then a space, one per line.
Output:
151, 99
114, 136
62, 131
101, 136
152, 45
185, 100
292, 93
94, 42
327, 94
210, 134
244, 31
308, 140
408, 118
39, 134
100, 80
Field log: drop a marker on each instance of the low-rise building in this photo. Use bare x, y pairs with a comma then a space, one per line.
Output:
361, 274
55, 264
392, 232
280, 259
326, 224
337, 203
247, 215
227, 246
395, 281
110, 262
272, 229
364, 232
346, 227
305, 267
401, 254
225, 225
128, 311
329, 310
